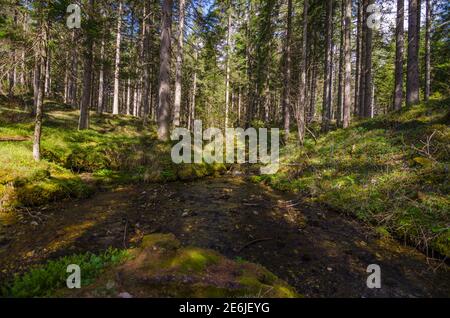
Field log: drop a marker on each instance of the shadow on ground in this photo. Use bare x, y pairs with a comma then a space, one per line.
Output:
319, 252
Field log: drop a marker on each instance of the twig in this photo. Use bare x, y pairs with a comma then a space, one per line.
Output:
309, 130
125, 234
254, 242
32, 215
293, 204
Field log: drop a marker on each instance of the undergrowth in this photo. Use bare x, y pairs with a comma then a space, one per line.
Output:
391, 171
116, 149
44, 280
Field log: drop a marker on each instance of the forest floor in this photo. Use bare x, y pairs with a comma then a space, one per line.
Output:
316, 250
345, 200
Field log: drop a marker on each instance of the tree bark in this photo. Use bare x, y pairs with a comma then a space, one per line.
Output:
347, 100
363, 69
312, 102
164, 72
287, 75
326, 106
399, 40
146, 57
194, 93
73, 78
358, 60
48, 79
339, 110
87, 76
101, 78
302, 89
117, 61
227, 80
41, 61
428, 50
66, 79
179, 66
412, 75
368, 81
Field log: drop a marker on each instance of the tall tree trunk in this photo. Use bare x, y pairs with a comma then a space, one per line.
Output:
368, 82
363, 69
41, 61
66, 79
332, 77
312, 102
302, 89
179, 66
412, 75
326, 106
128, 98
428, 50
339, 110
287, 74
87, 76
347, 100
358, 59
164, 72
48, 79
36, 78
399, 44
73, 79
194, 93
117, 61
101, 78
140, 103
11, 77
227, 80
239, 105
146, 56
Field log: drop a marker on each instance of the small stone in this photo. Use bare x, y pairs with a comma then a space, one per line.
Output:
34, 223
329, 269
185, 214
110, 284
125, 295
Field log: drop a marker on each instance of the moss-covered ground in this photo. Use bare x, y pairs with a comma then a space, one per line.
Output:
114, 150
391, 171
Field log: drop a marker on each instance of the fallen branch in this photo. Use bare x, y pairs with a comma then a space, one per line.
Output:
125, 234
312, 134
15, 138
254, 242
250, 204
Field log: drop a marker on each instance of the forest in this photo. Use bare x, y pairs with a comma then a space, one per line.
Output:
349, 99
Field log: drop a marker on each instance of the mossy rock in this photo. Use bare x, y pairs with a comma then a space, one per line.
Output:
161, 267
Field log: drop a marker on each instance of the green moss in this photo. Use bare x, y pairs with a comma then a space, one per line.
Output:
115, 150
377, 171
260, 282
193, 259
165, 241
162, 268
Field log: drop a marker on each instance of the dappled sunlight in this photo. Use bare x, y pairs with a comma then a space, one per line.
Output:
67, 235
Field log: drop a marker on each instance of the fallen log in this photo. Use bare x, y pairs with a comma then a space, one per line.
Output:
14, 138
